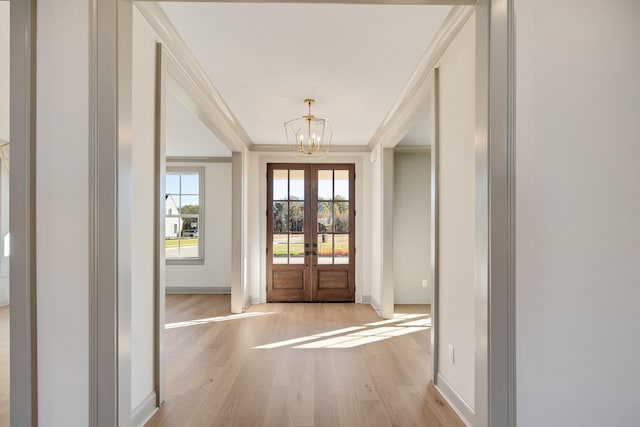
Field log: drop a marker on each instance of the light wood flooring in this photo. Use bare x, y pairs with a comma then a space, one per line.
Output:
297, 365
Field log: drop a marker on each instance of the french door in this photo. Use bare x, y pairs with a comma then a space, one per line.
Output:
310, 232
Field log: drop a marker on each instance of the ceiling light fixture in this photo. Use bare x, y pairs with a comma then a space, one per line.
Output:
308, 136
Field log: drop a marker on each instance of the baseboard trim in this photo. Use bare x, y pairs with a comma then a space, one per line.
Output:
366, 299
375, 304
144, 411
456, 402
223, 290
255, 300
411, 300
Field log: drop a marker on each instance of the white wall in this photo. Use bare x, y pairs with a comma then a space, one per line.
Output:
412, 228
4, 136
257, 225
578, 211
143, 210
216, 270
62, 212
457, 214
4, 70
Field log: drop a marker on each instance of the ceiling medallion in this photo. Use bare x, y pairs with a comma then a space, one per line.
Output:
308, 136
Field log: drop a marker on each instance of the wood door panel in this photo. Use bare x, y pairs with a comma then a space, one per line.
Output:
310, 232
332, 279
293, 279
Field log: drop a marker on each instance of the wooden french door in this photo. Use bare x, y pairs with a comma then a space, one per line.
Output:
310, 232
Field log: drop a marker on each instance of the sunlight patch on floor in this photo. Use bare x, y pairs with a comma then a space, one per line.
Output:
214, 319
359, 335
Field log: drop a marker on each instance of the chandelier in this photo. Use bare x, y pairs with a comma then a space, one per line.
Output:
308, 136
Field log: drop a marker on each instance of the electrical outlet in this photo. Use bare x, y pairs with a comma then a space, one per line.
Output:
424, 283
452, 354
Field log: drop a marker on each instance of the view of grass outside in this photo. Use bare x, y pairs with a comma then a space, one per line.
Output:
324, 249
173, 243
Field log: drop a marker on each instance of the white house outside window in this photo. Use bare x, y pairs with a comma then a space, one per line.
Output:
184, 213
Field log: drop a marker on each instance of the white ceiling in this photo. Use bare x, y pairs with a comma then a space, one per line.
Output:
186, 135
265, 59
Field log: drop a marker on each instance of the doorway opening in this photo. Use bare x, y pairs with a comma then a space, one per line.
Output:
310, 232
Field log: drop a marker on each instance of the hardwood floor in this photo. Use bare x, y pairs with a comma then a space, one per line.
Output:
297, 365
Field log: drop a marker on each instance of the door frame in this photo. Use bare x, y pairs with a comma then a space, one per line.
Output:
22, 216
309, 223
495, 170
259, 198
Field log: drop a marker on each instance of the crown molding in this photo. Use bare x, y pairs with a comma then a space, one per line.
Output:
183, 159
412, 149
392, 2
284, 148
190, 83
404, 112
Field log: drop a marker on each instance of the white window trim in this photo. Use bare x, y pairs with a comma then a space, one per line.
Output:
199, 260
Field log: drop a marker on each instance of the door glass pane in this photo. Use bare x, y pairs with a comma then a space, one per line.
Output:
325, 185
296, 185
325, 248
341, 185
296, 249
280, 248
280, 217
341, 217
280, 184
296, 217
341, 249
325, 217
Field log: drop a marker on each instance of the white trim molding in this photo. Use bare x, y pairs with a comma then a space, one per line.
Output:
374, 303
410, 300
459, 405
176, 159
237, 220
190, 83
283, 148
196, 290
412, 149
22, 216
404, 112
495, 378
110, 213
144, 411
435, 224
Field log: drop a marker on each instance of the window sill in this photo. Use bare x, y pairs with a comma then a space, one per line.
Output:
185, 261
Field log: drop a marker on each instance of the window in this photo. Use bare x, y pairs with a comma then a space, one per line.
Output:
184, 215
